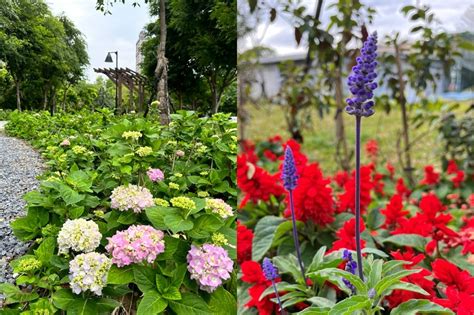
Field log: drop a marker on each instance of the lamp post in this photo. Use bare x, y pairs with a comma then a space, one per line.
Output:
109, 59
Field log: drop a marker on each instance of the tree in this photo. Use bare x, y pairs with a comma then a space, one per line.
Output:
41, 52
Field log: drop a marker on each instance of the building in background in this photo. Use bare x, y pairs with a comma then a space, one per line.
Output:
138, 51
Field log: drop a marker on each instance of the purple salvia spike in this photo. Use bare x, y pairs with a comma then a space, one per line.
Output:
271, 273
289, 175
361, 79
362, 86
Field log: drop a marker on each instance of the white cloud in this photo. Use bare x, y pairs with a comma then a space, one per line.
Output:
280, 35
118, 31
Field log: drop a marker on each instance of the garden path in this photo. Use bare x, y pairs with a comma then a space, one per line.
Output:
19, 166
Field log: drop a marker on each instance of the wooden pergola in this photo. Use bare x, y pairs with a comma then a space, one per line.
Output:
133, 80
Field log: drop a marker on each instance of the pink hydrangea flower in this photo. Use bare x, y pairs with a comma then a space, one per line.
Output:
136, 244
65, 143
209, 265
155, 175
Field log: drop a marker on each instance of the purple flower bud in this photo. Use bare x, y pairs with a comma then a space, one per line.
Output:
289, 175
360, 81
351, 266
270, 271
372, 293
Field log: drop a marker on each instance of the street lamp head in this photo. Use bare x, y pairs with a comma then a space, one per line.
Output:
109, 58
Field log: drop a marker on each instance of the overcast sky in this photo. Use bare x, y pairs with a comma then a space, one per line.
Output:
118, 31
280, 36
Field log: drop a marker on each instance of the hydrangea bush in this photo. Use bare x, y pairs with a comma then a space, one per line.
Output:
360, 242
122, 220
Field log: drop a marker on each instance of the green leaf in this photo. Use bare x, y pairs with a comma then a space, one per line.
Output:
412, 240
80, 181
176, 223
152, 303
157, 214
282, 286
264, 233
375, 273
407, 287
46, 250
80, 306
335, 275
144, 278
414, 307
350, 305
69, 195
62, 298
127, 218
317, 259
314, 311
172, 293
222, 302
205, 225
321, 301
375, 251
391, 279
190, 304
289, 264
123, 275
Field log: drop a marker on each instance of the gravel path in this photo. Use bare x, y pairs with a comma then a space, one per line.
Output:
19, 166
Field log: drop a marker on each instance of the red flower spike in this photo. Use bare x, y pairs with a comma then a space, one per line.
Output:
346, 236
347, 198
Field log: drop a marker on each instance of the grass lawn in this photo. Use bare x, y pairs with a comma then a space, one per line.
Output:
319, 136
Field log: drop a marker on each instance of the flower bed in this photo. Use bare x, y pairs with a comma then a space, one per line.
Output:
418, 242
130, 215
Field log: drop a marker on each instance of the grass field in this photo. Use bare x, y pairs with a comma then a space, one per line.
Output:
319, 136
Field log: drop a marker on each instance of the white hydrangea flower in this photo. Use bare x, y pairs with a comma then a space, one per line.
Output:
219, 207
79, 235
89, 272
131, 197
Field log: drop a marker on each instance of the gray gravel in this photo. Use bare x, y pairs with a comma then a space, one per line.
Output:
19, 166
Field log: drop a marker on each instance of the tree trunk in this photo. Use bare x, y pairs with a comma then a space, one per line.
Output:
161, 70
63, 103
342, 153
45, 97
53, 101
18, 98
408, 169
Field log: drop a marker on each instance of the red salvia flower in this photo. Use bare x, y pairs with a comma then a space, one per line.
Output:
391, 169
393, 212
452, 276
378, 184
452, 167
458, 179
346, 236
313, 197
244, 243
255, 182
401, 189
372, 149
341, 178
431, 177
347, 198
270, 155
460, 302
430, 205
399, 296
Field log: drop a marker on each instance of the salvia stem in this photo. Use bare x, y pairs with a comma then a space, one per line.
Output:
357, 198
277, 296
295, 236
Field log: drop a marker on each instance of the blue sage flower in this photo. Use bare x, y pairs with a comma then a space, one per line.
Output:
269, 270
361, 80
271, 273
289, 175
372, 293
351, 266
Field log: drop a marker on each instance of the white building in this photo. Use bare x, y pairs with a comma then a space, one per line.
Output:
138, 51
